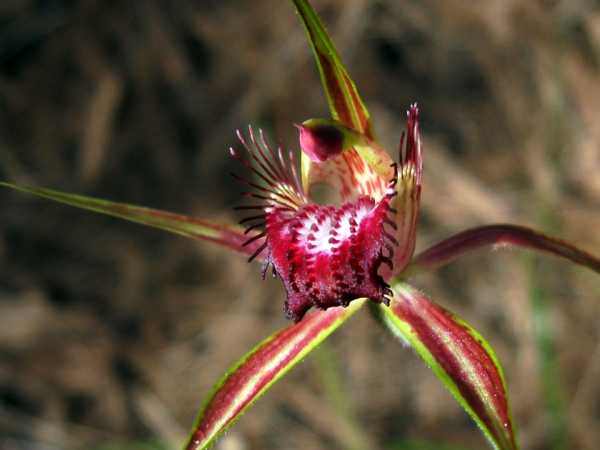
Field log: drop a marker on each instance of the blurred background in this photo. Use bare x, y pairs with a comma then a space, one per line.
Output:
111, 333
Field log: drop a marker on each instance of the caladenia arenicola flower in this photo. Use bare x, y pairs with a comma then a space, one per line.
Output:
354, 247
329, 255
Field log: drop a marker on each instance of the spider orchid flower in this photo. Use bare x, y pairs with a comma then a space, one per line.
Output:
329, 255
337, 255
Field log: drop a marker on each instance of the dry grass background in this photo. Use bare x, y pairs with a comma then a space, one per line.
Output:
111, 334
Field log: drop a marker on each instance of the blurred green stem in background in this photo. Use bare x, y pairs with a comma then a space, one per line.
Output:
541, 303
139, 445
419, 444
548, 364
328, 372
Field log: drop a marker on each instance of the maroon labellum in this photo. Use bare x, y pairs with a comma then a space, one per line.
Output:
328, 256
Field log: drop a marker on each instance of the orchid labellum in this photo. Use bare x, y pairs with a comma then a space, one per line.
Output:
351, 248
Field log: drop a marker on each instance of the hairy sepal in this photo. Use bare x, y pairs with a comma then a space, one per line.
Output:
256, 372
458, 355
226, 235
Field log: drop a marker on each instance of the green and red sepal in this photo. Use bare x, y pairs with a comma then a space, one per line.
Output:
458, 355
256, 372
230, 236
345, 104
499, 236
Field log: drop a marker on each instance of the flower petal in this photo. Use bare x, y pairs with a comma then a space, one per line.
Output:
409, 191
226, 235
260, 369
499, 235
458, 356
345, 103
